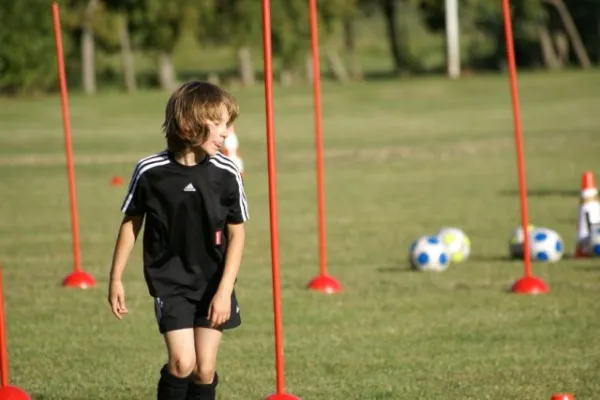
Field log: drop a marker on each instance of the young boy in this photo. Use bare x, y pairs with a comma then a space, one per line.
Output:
193, 202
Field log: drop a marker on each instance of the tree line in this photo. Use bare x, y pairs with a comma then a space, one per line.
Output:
549, 34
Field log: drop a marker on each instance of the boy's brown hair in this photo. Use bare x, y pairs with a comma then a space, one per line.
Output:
188, 111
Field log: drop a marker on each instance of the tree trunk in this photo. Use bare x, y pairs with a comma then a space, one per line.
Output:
548, 53
88, 69
126, 54
246, 69
562, 47
213, 78
390, 11
350, 44
310, 76
452, 39
286, 77
166, 71
573, 33
338, 69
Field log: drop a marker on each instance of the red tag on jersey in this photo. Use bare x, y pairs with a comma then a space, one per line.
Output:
218, 238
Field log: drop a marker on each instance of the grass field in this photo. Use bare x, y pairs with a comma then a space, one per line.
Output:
403, 158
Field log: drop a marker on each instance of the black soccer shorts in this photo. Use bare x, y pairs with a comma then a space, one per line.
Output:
180, 312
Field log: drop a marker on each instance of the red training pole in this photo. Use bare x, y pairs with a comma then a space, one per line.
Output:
7, 392
518, 132
3, 347
529, 283
322, 282
78, 278
314, 39
266, 22
67, 134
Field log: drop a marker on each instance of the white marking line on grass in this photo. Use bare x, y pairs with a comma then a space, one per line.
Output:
50, 238
39, 260
457, 149
376, 154
60, 159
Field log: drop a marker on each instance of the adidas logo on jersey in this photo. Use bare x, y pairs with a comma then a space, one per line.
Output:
189, 188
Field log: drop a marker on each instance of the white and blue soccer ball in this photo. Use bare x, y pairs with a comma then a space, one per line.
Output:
428, 253
457, 242
517, 239
546, 245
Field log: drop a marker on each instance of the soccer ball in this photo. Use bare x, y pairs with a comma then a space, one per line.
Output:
457, 242
592, 243
428, 253
515, 246
546, 245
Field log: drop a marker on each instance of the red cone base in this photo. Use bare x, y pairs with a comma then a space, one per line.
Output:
530, 285
283, 396
325, 284
579, 253
13, 393
562, 396
79, 279
117, 181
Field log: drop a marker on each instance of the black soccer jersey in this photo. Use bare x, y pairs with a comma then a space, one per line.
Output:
186, 209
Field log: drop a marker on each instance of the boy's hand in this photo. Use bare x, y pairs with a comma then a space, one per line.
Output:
116, 298
219, 310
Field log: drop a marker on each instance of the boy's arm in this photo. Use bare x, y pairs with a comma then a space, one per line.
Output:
236, 233
130, 228
236, 236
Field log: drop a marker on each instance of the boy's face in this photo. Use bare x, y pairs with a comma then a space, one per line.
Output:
218, 132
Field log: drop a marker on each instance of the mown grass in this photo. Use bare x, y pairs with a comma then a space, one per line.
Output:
403, 158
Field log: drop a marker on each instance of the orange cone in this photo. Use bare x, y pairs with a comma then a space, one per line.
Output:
588, 185
589, 212
231, 148
116, 181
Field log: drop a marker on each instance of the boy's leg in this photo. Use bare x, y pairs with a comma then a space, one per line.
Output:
205, 379
175, 318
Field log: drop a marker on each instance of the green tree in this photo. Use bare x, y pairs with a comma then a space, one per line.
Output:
79, 19
290, 35
333, 16
157, 26
240, 25
27, 51
116, 35
586, 14
482, 29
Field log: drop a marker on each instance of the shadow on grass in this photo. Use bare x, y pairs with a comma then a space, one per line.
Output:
395, 269
491, 258
588, 268
507, 259
41, 396
402, 268
542, 192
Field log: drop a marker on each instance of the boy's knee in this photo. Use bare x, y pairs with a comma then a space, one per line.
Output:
204, 373
182, 367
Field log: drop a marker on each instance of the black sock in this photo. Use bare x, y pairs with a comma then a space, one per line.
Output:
171, 387
203, 391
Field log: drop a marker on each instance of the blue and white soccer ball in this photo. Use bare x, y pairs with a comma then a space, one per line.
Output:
546, 245
428, 253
